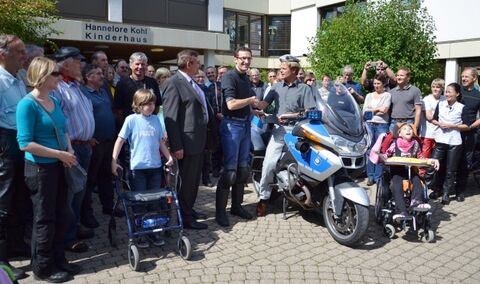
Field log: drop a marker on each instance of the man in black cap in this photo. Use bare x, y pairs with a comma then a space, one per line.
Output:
80, 124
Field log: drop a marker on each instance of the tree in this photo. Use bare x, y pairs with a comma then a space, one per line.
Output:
29, 20
399, 32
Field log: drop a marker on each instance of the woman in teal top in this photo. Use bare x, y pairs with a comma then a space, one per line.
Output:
44, 171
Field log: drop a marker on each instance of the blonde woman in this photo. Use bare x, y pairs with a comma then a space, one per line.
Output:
39, 119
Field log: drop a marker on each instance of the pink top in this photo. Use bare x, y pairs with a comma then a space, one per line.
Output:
404, 147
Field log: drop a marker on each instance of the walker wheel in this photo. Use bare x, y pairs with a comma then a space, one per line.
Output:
389, 231
133, 257
112, 234
184, 247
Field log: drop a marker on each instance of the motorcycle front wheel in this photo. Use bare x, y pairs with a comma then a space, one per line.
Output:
349, 228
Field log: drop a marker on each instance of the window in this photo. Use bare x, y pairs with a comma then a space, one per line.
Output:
250, 31
244, 30
256, 28
278, 35
328, 13
229, 27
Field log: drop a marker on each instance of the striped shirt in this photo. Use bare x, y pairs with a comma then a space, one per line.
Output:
78, 110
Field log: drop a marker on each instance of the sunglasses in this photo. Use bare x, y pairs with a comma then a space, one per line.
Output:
55, 74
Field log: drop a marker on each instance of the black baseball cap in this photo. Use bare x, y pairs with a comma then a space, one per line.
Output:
67, 52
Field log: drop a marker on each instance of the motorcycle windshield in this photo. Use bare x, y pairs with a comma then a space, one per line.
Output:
339, 108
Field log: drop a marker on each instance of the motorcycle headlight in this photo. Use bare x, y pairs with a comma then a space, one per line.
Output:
347, 147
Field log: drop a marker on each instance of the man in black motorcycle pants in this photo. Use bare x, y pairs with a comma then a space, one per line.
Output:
291, 98
237, 99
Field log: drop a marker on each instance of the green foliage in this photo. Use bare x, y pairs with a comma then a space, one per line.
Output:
29, 20
398, 32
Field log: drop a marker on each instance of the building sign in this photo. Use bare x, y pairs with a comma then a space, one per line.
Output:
116, 33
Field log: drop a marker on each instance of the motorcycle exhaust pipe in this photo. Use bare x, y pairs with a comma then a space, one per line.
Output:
307, 204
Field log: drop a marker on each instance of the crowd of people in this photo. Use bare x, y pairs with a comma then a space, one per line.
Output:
63, 111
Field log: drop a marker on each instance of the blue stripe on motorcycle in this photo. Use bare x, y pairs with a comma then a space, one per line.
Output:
313, 159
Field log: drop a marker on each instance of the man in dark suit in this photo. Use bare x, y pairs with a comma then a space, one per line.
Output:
187, 114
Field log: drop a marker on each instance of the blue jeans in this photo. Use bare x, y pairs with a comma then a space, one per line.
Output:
374, 172
235, 137
83, 152
147, 179
393, 123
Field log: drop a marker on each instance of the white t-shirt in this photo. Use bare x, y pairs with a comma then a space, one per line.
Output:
430, 104
449, 114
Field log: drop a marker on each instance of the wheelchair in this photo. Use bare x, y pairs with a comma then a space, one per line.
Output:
418, 220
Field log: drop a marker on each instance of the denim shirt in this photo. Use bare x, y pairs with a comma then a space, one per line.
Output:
12, 90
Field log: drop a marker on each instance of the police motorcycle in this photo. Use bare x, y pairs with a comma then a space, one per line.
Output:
323, 148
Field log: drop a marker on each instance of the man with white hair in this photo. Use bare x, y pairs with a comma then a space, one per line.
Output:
353, 87
127, 87
80, 126
122, 102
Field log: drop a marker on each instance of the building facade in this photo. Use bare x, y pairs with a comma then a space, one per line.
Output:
214, 28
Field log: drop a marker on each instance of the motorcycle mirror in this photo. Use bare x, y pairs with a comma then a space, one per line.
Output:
302, 146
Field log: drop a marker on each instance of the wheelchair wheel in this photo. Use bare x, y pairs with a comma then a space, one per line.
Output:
133, 257
184, 247
429, 236
379, 200
389, 231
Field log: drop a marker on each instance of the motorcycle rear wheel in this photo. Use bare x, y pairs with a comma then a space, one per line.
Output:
351, 226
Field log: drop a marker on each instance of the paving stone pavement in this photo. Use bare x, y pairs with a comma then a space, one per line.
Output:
298, 250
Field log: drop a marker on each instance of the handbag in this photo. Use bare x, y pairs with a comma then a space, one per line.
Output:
75, 176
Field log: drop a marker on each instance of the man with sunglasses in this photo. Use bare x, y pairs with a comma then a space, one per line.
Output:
12, 90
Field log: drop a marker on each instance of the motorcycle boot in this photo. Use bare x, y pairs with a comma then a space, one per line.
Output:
221, 197
238, 190
237, 208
